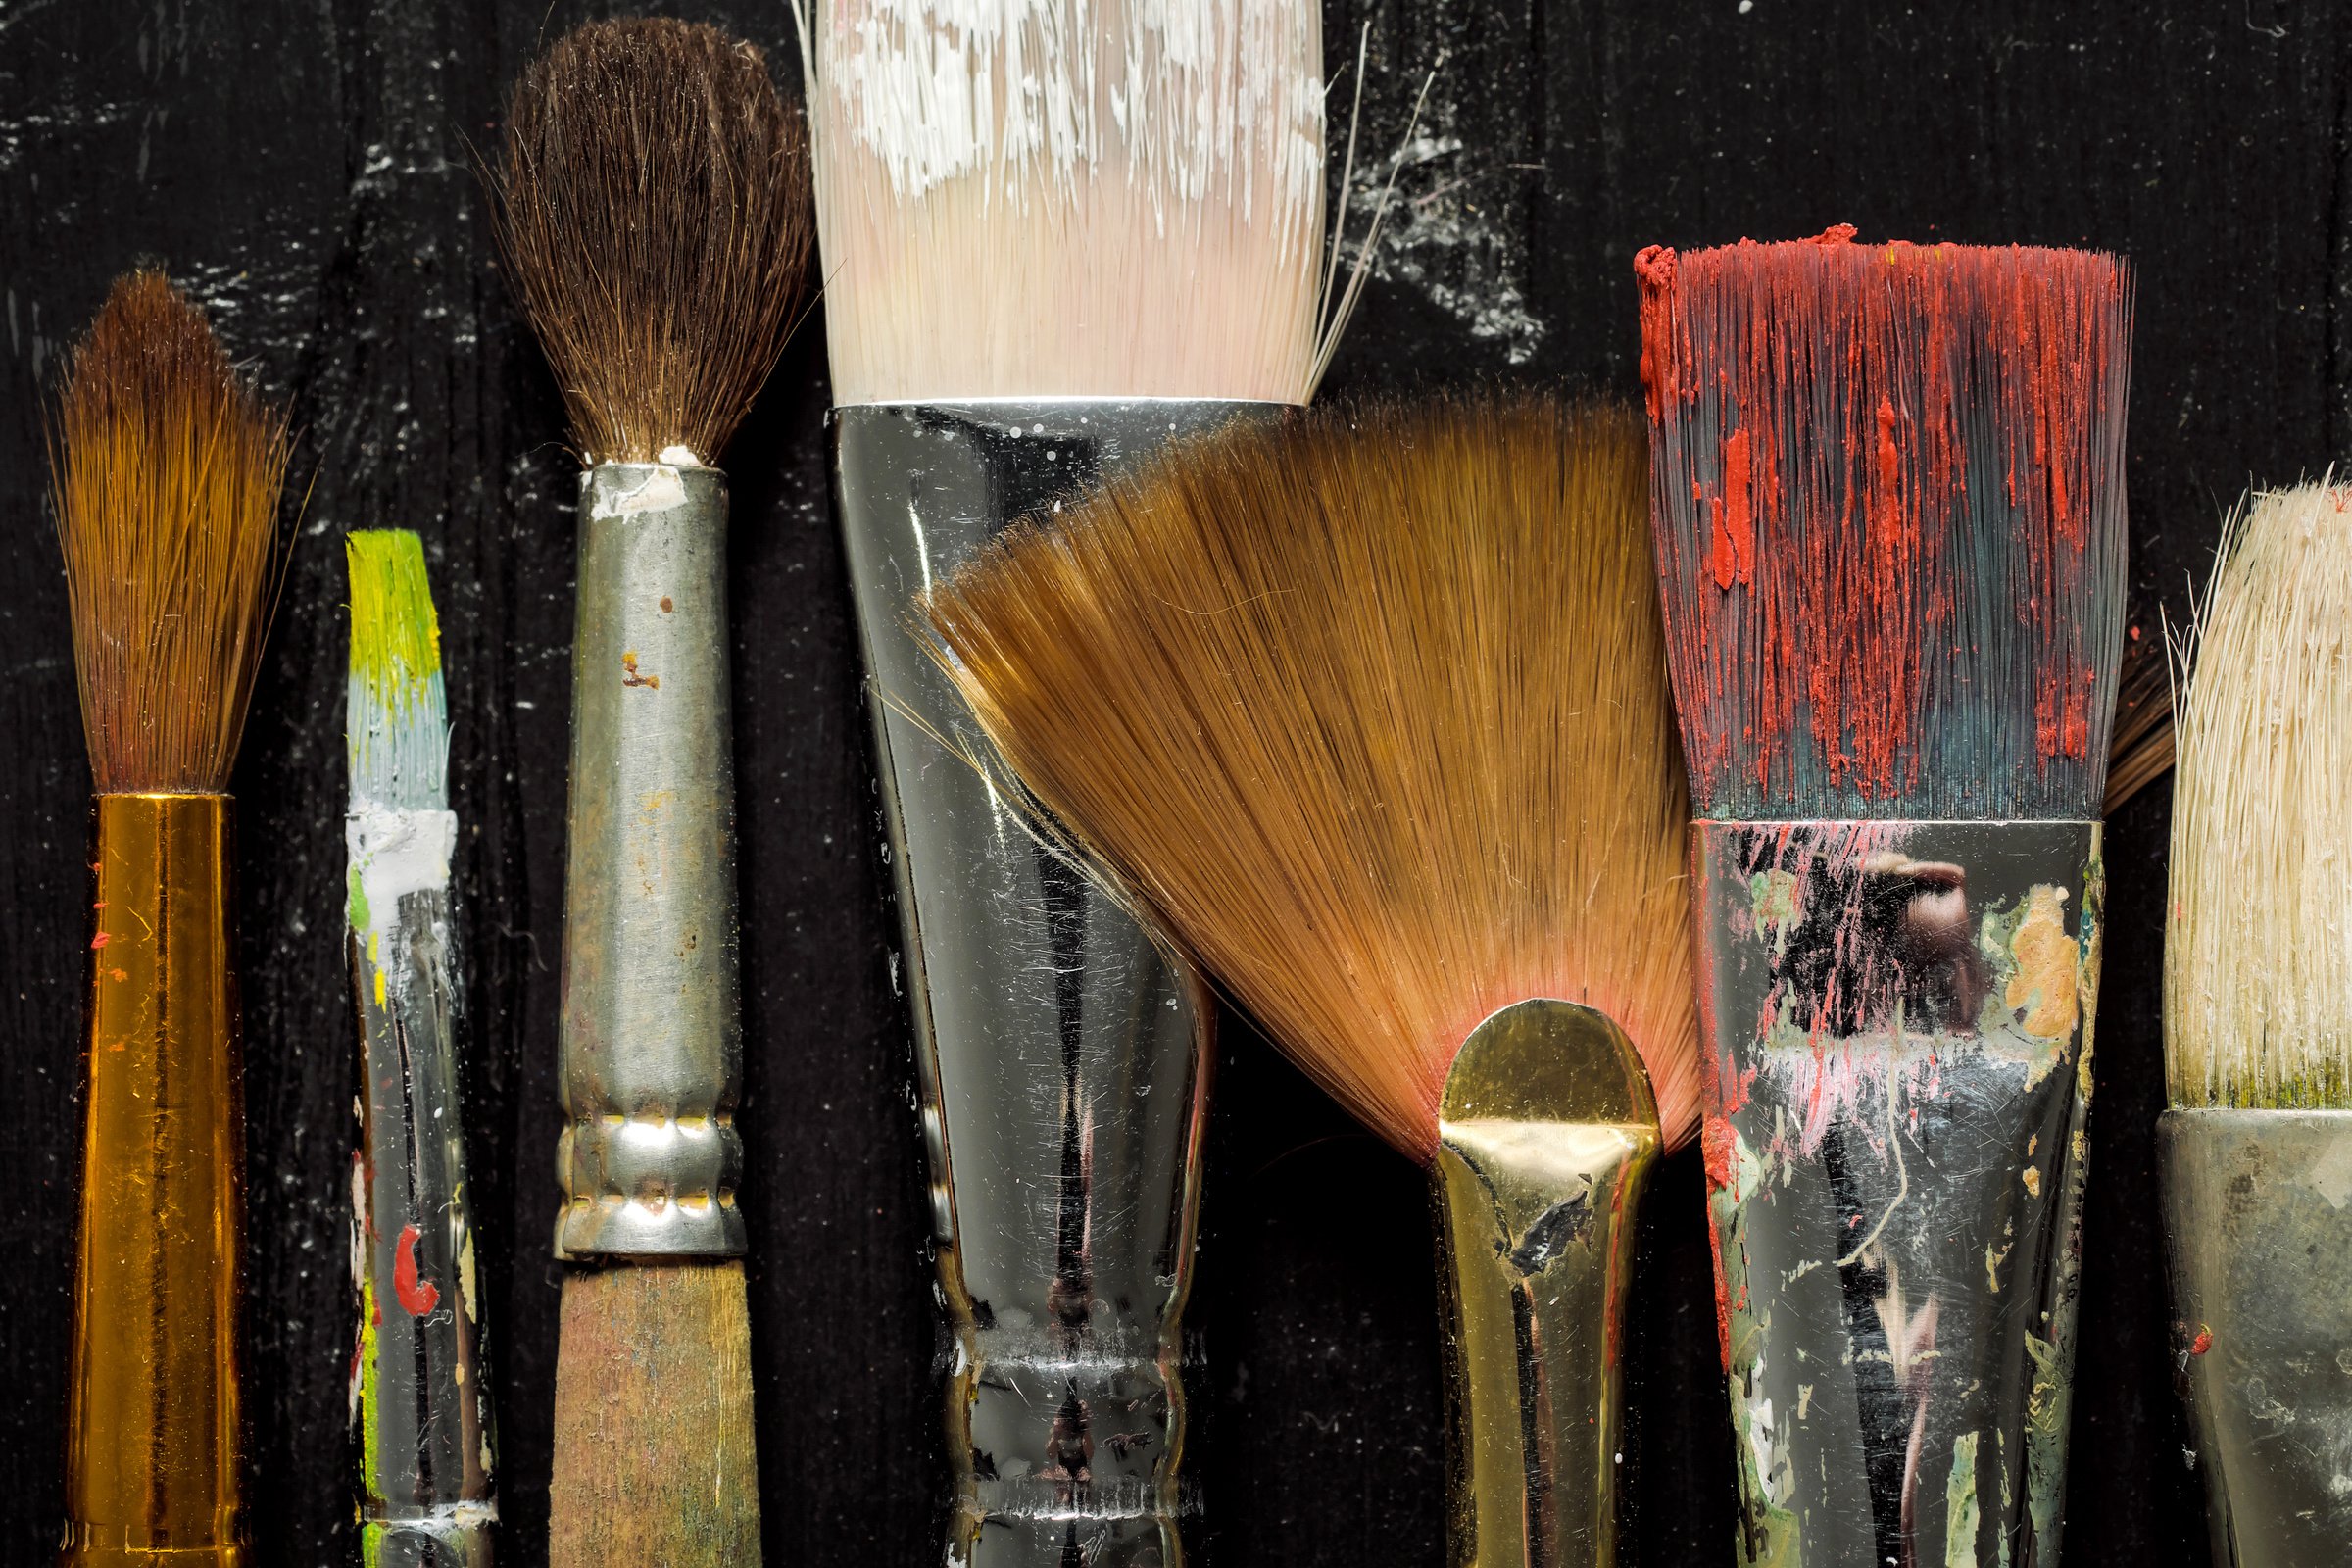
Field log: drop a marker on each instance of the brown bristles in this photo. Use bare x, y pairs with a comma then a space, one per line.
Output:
166, 469
653, 205
1372, 707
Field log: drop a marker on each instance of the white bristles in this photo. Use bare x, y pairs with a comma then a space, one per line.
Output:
2258, 949
1069, 198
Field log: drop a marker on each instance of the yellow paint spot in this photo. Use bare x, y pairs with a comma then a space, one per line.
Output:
2032, 1175
2043, 983
379, 988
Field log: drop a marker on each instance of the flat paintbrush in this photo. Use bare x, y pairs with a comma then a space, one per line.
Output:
167, 471
1887, 489
2256, 1153
1372, 709
419, 1395
652, 201
1055, 237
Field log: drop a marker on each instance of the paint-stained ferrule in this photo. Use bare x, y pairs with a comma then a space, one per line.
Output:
1898, 1019
152, 1457
1546, 1139
2258, 1205
651, 1037
1062, 1056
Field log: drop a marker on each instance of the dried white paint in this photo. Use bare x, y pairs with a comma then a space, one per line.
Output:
394, 853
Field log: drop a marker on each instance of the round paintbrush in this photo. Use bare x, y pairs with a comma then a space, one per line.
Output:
167, 471
2256, 1153
1372, 709
652, 200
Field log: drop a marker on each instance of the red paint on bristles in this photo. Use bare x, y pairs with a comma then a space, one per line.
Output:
1888, 511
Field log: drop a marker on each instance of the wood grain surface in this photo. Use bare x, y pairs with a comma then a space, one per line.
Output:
303, 167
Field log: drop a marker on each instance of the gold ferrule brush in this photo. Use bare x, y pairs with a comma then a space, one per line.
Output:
152, 1451
1546, 1137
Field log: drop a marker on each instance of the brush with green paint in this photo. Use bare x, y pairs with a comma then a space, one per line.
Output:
418, 1395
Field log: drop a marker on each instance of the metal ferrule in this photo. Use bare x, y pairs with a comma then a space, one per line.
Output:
1546, 1138
651, 1042
2258, 1205
1897, 1023
418, 1393
1062, 1055
152, 1462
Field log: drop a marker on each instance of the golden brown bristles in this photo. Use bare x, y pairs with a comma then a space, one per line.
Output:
166, 469
652, 204
1372, 707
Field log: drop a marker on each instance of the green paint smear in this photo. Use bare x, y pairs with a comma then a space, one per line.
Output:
1767, 1535
356, 900
1960, 1514
2046, 1411
395, 636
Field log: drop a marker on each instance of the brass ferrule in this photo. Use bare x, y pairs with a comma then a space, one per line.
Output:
1546, 1137
152, 1437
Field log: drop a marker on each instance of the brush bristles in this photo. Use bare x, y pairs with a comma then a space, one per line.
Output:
165, 468
1888, 497
1069, 199
2257, 963
396, 714
653, 205
1373, 709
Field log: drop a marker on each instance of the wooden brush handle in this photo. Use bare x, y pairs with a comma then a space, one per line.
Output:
151, 1447
655, 1461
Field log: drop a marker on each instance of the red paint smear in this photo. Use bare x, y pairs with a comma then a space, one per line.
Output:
2202, 1342
419, 1297
1734, 514
100, 939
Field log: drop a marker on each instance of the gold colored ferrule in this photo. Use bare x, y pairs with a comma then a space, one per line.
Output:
1546, 1137
151, 1445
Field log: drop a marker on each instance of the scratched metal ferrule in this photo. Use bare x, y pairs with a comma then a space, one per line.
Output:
1062, 1054
651, 1038
1898, 1020
419, 1394
2258, 1205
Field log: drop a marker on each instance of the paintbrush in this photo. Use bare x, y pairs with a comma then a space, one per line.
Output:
419, 1395
1887, 500
1372, 709
2256, 1153
166, 469
1055, 237
651, 203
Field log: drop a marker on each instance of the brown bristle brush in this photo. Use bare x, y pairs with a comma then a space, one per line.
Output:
1372, 709
167, 471
653, 203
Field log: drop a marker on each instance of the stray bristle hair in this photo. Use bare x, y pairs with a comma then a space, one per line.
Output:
1888, 497
2257, 968
653, 205
166, 469
1069, 198
396, 714
1372, 707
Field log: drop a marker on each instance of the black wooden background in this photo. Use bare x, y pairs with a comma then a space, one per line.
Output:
302, 166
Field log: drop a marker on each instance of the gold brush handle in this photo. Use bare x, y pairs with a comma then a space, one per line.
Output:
151, 1447
1546, 1137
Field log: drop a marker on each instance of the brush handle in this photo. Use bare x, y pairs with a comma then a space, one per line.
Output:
1546, 1139
1062, 1056
419, 1393
2258, 1211
651, 1039
152, 1461
1896, 1019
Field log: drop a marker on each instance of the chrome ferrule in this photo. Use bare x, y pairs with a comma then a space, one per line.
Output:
1062, 1053
1896, 1017
2258, 1210
650, 1043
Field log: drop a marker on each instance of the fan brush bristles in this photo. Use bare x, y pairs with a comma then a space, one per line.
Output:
1889, 496
2258, 965
396, 712
653, 206
166, 469
1372, 707
1058, 198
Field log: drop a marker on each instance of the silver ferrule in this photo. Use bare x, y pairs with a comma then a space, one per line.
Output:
651, 1041
2258, 1209
1062, 1054
419, 1395
1896, 1018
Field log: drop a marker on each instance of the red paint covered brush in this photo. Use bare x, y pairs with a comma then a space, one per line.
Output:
1886, 496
